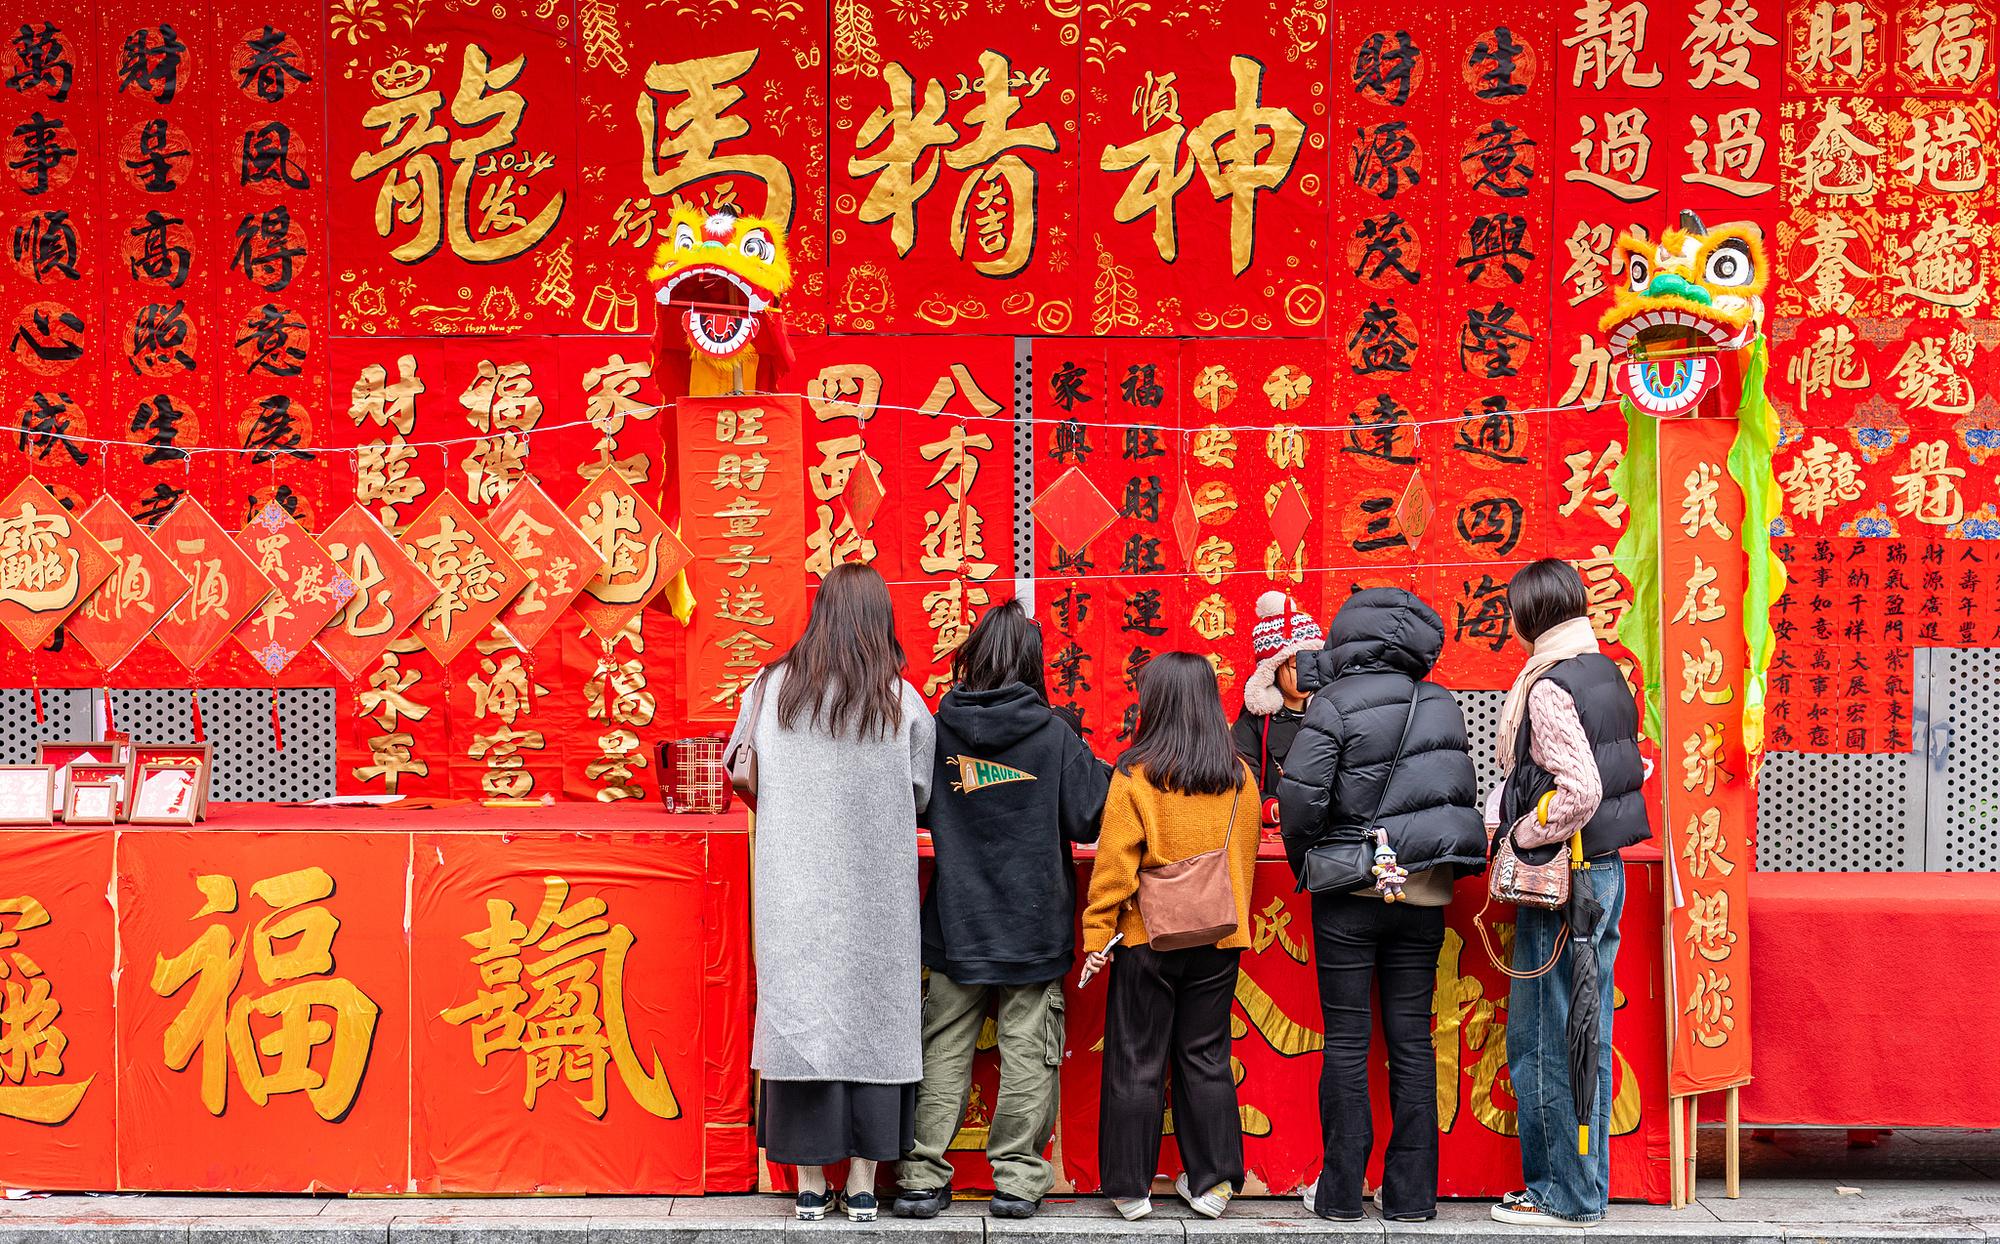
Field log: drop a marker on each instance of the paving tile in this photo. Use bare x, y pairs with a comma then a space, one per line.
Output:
83, 1230
281, 1229
508, 1229
615, 1229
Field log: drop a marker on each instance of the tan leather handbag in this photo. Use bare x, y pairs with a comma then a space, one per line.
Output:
741, 758
1191, 902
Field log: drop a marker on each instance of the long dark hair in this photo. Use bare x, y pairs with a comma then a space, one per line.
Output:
845, 673
1183, 739
1545, 594
1005, 647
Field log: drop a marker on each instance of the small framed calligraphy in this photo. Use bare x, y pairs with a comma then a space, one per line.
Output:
166, 795
92, 803
27, 794
198, 758
118, 776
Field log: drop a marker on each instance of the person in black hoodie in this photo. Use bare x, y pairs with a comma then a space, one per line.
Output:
1381, 746
1014, 787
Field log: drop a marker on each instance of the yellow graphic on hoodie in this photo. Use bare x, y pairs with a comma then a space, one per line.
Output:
976, 774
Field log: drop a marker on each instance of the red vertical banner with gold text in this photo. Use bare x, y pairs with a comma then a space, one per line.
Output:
1709, 832
742, 464
57, 952
494, 920
305, 931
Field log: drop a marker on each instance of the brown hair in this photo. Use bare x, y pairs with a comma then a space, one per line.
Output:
845, 673
1544, 595
1183, 738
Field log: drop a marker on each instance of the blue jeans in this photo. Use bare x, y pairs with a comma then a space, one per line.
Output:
1559, 1180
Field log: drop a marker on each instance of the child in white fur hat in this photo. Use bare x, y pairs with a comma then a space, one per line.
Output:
1272, 702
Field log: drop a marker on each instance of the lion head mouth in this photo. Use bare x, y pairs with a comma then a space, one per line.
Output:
718, 308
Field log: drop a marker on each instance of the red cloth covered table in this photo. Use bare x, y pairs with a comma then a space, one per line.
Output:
1869, 999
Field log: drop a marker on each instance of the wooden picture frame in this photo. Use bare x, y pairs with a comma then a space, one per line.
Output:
27, 795
93, 803
197, 756
118, 776
61, 755
165, 794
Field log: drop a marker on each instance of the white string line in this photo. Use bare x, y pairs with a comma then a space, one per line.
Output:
1050, 578
848, 411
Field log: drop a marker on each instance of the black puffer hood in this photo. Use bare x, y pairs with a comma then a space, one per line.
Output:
998, 718
1382, 628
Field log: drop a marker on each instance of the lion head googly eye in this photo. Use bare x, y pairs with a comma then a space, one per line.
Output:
684, 237
757, 245
1638, 272
1728, 266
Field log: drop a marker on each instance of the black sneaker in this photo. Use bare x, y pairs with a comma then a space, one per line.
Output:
860, 1206
812, 1206
921, 1202
1005, 1206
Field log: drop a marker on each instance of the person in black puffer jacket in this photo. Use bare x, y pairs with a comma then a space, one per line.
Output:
1379, 652
1014, 787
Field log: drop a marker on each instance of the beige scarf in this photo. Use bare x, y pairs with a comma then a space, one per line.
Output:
1560, 642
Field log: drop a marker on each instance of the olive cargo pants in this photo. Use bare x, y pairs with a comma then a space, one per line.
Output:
1030, 1025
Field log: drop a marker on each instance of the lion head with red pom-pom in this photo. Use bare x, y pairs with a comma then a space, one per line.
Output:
717, 281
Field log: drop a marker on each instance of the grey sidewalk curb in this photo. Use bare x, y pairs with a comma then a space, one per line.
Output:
1242, 1227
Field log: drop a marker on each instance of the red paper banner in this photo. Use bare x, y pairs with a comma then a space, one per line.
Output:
741, 463
567, 981
265, 1018
1710, 807
58, 1095
1276, 1016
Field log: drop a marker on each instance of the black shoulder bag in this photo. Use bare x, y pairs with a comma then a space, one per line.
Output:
1345, 860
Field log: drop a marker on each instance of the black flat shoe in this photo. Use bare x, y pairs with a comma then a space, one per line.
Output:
812, 1206
921, 1202
860, 1206
1005, 1206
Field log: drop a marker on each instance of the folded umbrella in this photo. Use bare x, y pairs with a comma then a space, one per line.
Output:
1585, 1008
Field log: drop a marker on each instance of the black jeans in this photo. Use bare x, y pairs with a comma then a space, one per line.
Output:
1165, 1005
1358, 940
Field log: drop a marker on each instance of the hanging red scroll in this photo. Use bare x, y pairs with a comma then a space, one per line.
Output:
1710, 805
741, 469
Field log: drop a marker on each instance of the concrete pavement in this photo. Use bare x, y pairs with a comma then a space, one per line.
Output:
1918, 1188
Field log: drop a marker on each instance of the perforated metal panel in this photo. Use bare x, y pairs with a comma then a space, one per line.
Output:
1840, 813
1964, 820
237, 721
1482, 726
65, 717
1024, 472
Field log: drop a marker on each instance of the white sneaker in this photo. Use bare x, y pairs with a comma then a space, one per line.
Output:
1209, 1204
1133, 1208
1517, 1210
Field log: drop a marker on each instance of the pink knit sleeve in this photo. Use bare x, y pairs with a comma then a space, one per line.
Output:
1559, 745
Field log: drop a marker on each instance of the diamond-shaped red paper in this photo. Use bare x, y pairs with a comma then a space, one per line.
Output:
1074, 511
639, 552
471, 569
1289, 516
1413, 511
554, 552
49, 563
224, 584
307, 588
1187, 524
390, 593
863, 495
140, 590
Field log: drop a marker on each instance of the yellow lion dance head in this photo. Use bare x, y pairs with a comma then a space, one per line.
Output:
1697, 293
720, 275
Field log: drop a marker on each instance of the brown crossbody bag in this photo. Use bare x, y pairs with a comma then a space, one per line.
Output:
1191, 902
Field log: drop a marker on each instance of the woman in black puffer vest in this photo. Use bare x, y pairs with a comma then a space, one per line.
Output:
1379, 651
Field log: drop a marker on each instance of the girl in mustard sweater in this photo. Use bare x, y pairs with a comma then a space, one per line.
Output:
1176, 793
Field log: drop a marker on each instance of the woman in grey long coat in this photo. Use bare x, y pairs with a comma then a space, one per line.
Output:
843, 767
